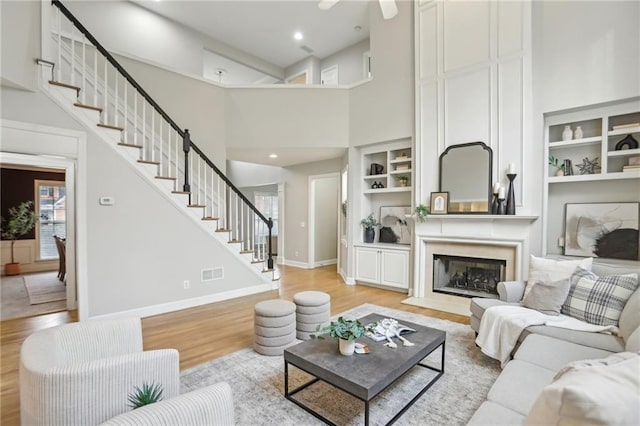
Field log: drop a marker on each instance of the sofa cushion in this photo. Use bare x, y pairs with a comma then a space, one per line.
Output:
598, 300
632, 344
508, 389
492, 413
551, 270
480, 304
604, 341
547, 297
553, 354
630, 316
595, 395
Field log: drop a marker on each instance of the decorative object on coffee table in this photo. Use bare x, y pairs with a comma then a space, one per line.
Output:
607, 230
346, 331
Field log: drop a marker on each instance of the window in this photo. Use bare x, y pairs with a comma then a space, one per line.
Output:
51, 210
267, 204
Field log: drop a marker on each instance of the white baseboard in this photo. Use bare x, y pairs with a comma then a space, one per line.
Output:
295, 264
164, 308
325, 263
347, 280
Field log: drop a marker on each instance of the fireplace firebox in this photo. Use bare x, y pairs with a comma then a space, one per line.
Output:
467, 276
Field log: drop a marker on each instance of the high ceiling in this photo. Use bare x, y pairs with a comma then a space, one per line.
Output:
265, 28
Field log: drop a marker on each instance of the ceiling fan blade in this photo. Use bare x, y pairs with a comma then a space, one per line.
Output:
388, 8
327, 4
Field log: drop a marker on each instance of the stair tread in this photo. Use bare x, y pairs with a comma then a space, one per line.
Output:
246, 251
181, 192
165, 177
196, 205
258, 261
210, 218
91, 107
234, 241
109, 126
68, 86
130, 145
223, 230
155, 163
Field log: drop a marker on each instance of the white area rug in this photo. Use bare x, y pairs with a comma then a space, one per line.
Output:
257, 382
44, 288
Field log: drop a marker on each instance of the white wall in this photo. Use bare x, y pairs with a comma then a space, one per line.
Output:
588, 52
249, 174
350, 62
136, 247
296, 180
383, 109
296, 117
147, 35
325, 233
192, 103
21, 48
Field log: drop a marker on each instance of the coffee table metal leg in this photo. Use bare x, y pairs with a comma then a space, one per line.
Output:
366, 413
286, 379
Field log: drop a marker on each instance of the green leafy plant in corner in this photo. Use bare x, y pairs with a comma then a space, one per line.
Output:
22, 219
369, 222
147, 394
421, 212
343, 329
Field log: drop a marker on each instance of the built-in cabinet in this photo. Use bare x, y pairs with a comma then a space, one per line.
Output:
388, 170
607, 137
384, 265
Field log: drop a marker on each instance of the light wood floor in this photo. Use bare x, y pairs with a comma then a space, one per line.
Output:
203, 333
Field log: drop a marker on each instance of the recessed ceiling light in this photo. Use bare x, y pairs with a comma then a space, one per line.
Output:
273, 155
297, 35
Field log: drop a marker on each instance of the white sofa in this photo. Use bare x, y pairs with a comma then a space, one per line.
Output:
82, 373
545, 350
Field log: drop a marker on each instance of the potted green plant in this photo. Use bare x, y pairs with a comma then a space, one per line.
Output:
346, 331
22, 219
369, 223
421, 212
554, 162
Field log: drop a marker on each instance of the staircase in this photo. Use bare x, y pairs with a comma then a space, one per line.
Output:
90, 84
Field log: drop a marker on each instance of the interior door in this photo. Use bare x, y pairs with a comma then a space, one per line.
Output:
329, 75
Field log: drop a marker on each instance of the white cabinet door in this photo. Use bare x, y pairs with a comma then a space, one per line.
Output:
367, 267
394, 268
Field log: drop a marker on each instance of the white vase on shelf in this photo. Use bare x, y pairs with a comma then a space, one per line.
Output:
577, 134
567, 133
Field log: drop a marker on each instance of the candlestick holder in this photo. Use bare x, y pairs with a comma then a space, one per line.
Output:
511, 198
494, 203
502, 207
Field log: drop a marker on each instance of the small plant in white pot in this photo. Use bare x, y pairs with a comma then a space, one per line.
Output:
22, 219
346, 331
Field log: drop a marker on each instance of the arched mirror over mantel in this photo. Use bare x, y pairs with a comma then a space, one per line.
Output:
466, 174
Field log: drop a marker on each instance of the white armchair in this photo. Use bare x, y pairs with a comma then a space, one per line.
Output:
82, 373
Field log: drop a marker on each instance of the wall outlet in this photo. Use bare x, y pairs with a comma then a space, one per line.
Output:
186, 284
297, 253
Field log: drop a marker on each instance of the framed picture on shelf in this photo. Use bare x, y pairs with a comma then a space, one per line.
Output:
607, 230
393, 225
439, 202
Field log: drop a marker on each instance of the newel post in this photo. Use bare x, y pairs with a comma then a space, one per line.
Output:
186, 146
270, 258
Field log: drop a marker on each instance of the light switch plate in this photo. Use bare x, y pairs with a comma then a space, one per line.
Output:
107, 201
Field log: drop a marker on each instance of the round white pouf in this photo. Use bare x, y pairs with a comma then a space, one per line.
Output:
313, 309
274, 325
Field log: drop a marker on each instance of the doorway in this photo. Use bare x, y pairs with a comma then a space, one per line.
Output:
324, 205
329, 75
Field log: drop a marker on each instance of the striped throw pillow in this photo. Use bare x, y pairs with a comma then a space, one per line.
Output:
598, 300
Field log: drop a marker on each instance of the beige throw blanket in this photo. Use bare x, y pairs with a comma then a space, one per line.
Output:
501, 326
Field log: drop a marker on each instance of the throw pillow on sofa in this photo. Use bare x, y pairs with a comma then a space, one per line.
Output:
596, 395
598, 300
552, 270
547, 297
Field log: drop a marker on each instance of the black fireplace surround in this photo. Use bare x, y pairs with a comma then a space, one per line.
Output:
467, 276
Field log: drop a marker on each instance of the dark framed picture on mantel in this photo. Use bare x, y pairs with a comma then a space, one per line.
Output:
439, 203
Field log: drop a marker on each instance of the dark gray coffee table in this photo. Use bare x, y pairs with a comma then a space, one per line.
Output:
363, 376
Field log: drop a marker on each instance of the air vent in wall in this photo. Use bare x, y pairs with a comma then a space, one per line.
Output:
306, 49
212, 274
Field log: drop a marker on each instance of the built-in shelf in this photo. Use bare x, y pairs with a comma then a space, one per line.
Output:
478, 217
576, 142
401, 172
375, 177
624, 131
400, 160
383, 190
595, 177
624, 153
